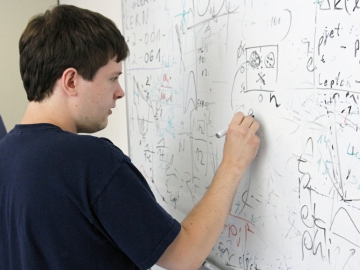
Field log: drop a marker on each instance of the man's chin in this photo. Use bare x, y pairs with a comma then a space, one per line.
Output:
94, 128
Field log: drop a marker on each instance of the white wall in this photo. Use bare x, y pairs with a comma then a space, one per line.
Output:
116, 130
14, 16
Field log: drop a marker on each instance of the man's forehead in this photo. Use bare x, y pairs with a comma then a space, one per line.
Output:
113, 67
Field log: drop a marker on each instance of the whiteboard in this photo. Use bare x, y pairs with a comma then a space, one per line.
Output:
295, 66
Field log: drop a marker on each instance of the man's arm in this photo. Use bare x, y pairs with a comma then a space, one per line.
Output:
204, 224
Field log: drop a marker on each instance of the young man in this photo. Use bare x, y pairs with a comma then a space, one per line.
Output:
70, 201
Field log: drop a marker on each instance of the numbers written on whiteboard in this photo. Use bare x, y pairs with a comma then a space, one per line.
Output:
149, 56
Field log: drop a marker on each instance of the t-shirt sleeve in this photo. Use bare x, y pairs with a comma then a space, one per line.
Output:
133, 219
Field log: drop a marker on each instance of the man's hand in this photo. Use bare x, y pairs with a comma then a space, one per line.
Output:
241, 144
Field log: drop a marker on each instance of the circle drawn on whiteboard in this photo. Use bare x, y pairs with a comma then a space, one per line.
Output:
261, 98
270, 60
254, 59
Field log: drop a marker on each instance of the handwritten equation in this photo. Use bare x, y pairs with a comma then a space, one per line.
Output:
295, 66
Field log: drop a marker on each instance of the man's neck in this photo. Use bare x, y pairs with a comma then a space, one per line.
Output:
47, 112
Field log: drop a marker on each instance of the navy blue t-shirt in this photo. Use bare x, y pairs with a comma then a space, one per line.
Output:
72, 201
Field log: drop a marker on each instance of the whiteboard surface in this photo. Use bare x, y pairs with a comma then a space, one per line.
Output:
295, 66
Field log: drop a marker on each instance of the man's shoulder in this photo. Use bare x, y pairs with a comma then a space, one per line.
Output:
101, 144
47, 137
92, 145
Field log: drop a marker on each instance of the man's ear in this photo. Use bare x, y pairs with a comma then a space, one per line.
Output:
69, 81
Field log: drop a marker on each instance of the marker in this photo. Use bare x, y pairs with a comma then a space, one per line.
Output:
208, 265
223, 132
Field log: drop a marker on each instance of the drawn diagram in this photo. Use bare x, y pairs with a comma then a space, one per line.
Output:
262, 68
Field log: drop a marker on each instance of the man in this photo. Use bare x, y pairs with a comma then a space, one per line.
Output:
70, 201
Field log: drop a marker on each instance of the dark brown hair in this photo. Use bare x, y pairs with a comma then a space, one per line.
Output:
66, 36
